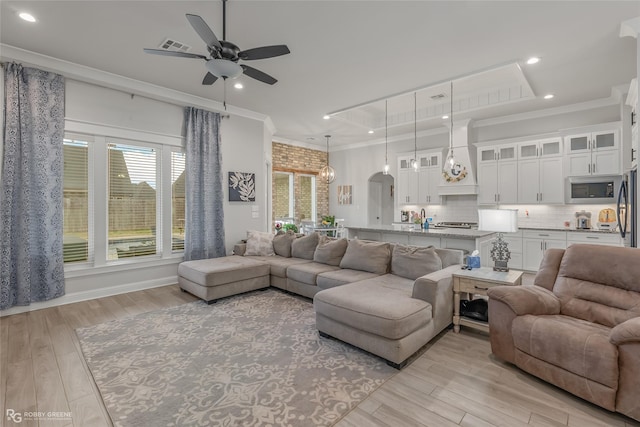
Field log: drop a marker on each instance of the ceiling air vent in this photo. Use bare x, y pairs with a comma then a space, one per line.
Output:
174, 46
438, 96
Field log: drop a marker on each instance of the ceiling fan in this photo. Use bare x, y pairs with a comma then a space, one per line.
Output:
224, 55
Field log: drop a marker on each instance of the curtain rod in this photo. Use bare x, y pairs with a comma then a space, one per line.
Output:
222, 116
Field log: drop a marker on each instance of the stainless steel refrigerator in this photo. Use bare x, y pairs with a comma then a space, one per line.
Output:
628, 209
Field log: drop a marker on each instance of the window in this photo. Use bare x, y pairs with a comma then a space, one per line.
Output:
307, 197
124, 199
283, 195
177, 200
132, 201
76, 199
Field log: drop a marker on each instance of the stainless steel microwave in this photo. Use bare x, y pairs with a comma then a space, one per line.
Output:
592, 189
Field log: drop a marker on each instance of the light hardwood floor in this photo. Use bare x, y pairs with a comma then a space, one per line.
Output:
454, 382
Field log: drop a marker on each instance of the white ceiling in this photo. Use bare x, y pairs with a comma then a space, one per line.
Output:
345, 53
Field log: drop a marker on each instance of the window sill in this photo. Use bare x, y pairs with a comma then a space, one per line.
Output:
85, 269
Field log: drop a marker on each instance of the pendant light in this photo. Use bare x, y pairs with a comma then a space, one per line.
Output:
327, 173
385, 169
414, 162
450, 162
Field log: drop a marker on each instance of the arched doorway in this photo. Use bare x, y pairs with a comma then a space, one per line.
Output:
381, 199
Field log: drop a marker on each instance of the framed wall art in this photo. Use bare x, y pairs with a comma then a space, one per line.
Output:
242, 187
345, 194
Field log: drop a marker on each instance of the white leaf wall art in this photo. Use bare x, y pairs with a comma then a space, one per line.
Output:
242, 187
344, 195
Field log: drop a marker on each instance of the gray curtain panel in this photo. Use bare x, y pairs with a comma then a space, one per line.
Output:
31, 199
204, 224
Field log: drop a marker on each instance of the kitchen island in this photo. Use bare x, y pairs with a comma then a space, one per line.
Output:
450, 238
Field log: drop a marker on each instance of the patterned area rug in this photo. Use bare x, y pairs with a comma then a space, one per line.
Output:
251, 360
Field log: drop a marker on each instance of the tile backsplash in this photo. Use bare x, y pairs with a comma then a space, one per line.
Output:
465, 209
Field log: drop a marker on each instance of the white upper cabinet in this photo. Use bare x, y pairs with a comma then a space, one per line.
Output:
593, 153
429, 178
498, 174
540, 175
407, 186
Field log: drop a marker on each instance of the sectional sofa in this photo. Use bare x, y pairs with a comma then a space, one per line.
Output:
388, 299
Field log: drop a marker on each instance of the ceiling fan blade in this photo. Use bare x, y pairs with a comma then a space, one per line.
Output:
173, 53
264, 52
209, 79
203, 31
258, 75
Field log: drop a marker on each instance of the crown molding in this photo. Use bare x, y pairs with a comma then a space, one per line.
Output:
630, 28
86, 74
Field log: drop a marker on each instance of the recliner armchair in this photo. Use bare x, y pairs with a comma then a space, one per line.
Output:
578, 326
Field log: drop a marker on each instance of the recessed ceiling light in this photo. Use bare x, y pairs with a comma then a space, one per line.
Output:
371, 131
27, 17
533, 60
548, 96
445, 117
326, 117
238, 85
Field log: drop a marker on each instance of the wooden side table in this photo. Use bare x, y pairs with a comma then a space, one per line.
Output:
477, 281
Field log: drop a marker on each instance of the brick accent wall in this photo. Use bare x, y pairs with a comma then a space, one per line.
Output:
300, 161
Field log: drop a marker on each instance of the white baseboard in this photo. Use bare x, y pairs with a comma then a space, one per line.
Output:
91, 294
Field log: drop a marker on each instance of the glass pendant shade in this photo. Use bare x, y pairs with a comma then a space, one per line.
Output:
385, 169
327, 174
450, 161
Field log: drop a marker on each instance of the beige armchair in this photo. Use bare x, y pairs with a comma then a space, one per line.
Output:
578, 326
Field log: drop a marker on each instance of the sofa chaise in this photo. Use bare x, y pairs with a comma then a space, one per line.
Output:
578, 326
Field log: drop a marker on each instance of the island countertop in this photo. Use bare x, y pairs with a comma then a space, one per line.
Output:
460, 233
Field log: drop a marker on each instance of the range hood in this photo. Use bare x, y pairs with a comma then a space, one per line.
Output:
462, 180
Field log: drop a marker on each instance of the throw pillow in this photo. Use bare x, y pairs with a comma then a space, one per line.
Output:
259, 243
304, 247
412, 262
367, 256
282, 243
330, 251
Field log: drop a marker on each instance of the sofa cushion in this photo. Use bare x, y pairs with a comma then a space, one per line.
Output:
367, 256
304, 247
330, 251
259, 243
575, 345
599, 286
340, 277
412, 262
223, 270
282, 243
370, 306
279, 264
307, 273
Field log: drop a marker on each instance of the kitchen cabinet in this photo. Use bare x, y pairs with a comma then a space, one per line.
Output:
514, 242
593, 153
535, 243
430, 170
498, 175
540, 173
594, 238
407, 186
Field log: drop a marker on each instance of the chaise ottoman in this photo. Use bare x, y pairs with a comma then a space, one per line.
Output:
211, 279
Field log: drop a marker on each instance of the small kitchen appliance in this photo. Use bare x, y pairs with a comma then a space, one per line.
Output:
607, 219
583, 220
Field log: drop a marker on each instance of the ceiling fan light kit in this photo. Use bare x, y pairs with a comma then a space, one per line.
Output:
223, 58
